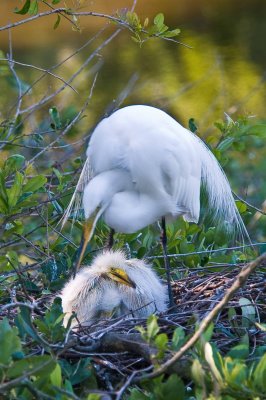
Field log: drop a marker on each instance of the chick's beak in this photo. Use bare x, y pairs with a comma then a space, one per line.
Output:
120, 276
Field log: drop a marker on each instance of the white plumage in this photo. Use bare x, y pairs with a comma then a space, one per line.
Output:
113, 286
143, 165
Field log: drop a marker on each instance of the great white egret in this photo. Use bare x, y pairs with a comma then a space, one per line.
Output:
142, 166
113, 286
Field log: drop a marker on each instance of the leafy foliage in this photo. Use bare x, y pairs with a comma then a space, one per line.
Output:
145, 31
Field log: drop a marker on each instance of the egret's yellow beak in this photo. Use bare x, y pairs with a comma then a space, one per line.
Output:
119, 275
88, 229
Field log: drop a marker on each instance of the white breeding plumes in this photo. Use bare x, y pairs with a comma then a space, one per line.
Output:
113, 286
141, 166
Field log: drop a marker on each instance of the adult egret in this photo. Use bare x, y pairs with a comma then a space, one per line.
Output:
142, 166
113, 286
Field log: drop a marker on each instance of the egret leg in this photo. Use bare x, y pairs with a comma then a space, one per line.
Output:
111, 239
166, 262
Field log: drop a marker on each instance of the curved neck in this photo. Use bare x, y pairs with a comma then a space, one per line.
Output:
101, 189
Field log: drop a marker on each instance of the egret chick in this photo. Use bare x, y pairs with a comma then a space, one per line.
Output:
113, 286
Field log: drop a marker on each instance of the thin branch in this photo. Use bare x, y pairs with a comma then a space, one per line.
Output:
177, 255
36, 392
32, 245
81, 48
70, 395
125, 386
87, 61
32, 18
238, 283
21, 379
65, 11
115, 104
12, 69
249, 205
77, 117
32, 306
46, 71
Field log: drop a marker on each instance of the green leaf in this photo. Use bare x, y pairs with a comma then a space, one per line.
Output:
33, 10
13, 163
56, 376
262, 327
209, 357
52, 323
192, 125
12, 257
3, 206
94, 396
248, 311
241, 351
9, 342
55, 1
24, 9
80, 371
172, 389
57, 22
162, 30
178, 338
257, 130
225, 144
15, 191
25, 323
34, 184
161, 342
52, 315
237, 375
18, 124
3, 195
198, 373
207, 334
133, 20
44, 365
259, 374
136, 394
152, 327
42, 326
159, 20
54, 114
242, 207
173, 33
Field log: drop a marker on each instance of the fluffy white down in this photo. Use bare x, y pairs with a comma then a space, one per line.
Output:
93, 296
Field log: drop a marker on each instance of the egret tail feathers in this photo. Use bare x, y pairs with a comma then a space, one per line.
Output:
220, 197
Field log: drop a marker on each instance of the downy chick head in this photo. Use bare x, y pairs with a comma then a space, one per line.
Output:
113, 286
